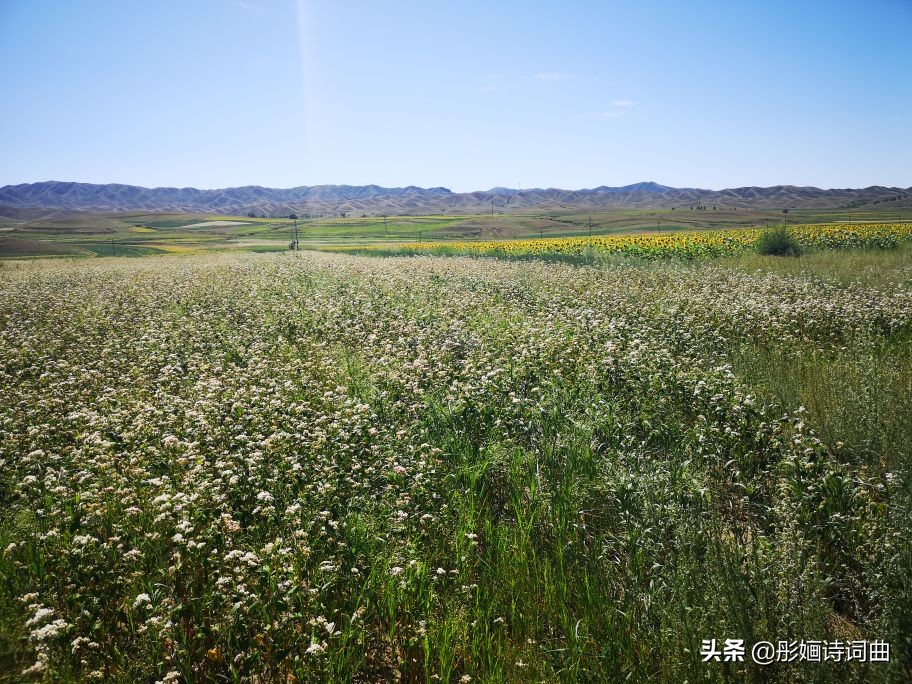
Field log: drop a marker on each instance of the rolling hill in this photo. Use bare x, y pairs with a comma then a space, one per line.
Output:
376, 200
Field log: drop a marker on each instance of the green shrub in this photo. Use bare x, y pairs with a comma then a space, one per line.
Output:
778, 242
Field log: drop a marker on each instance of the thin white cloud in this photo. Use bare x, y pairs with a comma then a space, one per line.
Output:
618, 108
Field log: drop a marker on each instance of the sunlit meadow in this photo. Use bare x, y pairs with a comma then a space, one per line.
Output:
324, 467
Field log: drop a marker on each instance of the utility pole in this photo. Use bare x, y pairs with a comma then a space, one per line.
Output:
113, 250
492, 207
590, 227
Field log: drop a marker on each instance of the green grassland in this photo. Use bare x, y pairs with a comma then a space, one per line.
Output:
136, 233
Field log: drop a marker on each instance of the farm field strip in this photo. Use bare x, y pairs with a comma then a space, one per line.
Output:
687, 244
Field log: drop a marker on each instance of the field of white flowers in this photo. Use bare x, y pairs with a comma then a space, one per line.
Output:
321, 467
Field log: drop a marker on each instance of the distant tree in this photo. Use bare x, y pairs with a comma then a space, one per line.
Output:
293, 216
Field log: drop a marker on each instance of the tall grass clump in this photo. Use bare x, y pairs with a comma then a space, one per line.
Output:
778, 242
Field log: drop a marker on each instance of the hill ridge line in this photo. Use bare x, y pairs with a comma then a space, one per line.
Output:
376, 199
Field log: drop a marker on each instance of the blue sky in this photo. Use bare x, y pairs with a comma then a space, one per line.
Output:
467, 95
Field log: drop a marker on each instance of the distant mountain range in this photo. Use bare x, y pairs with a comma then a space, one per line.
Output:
373, 199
